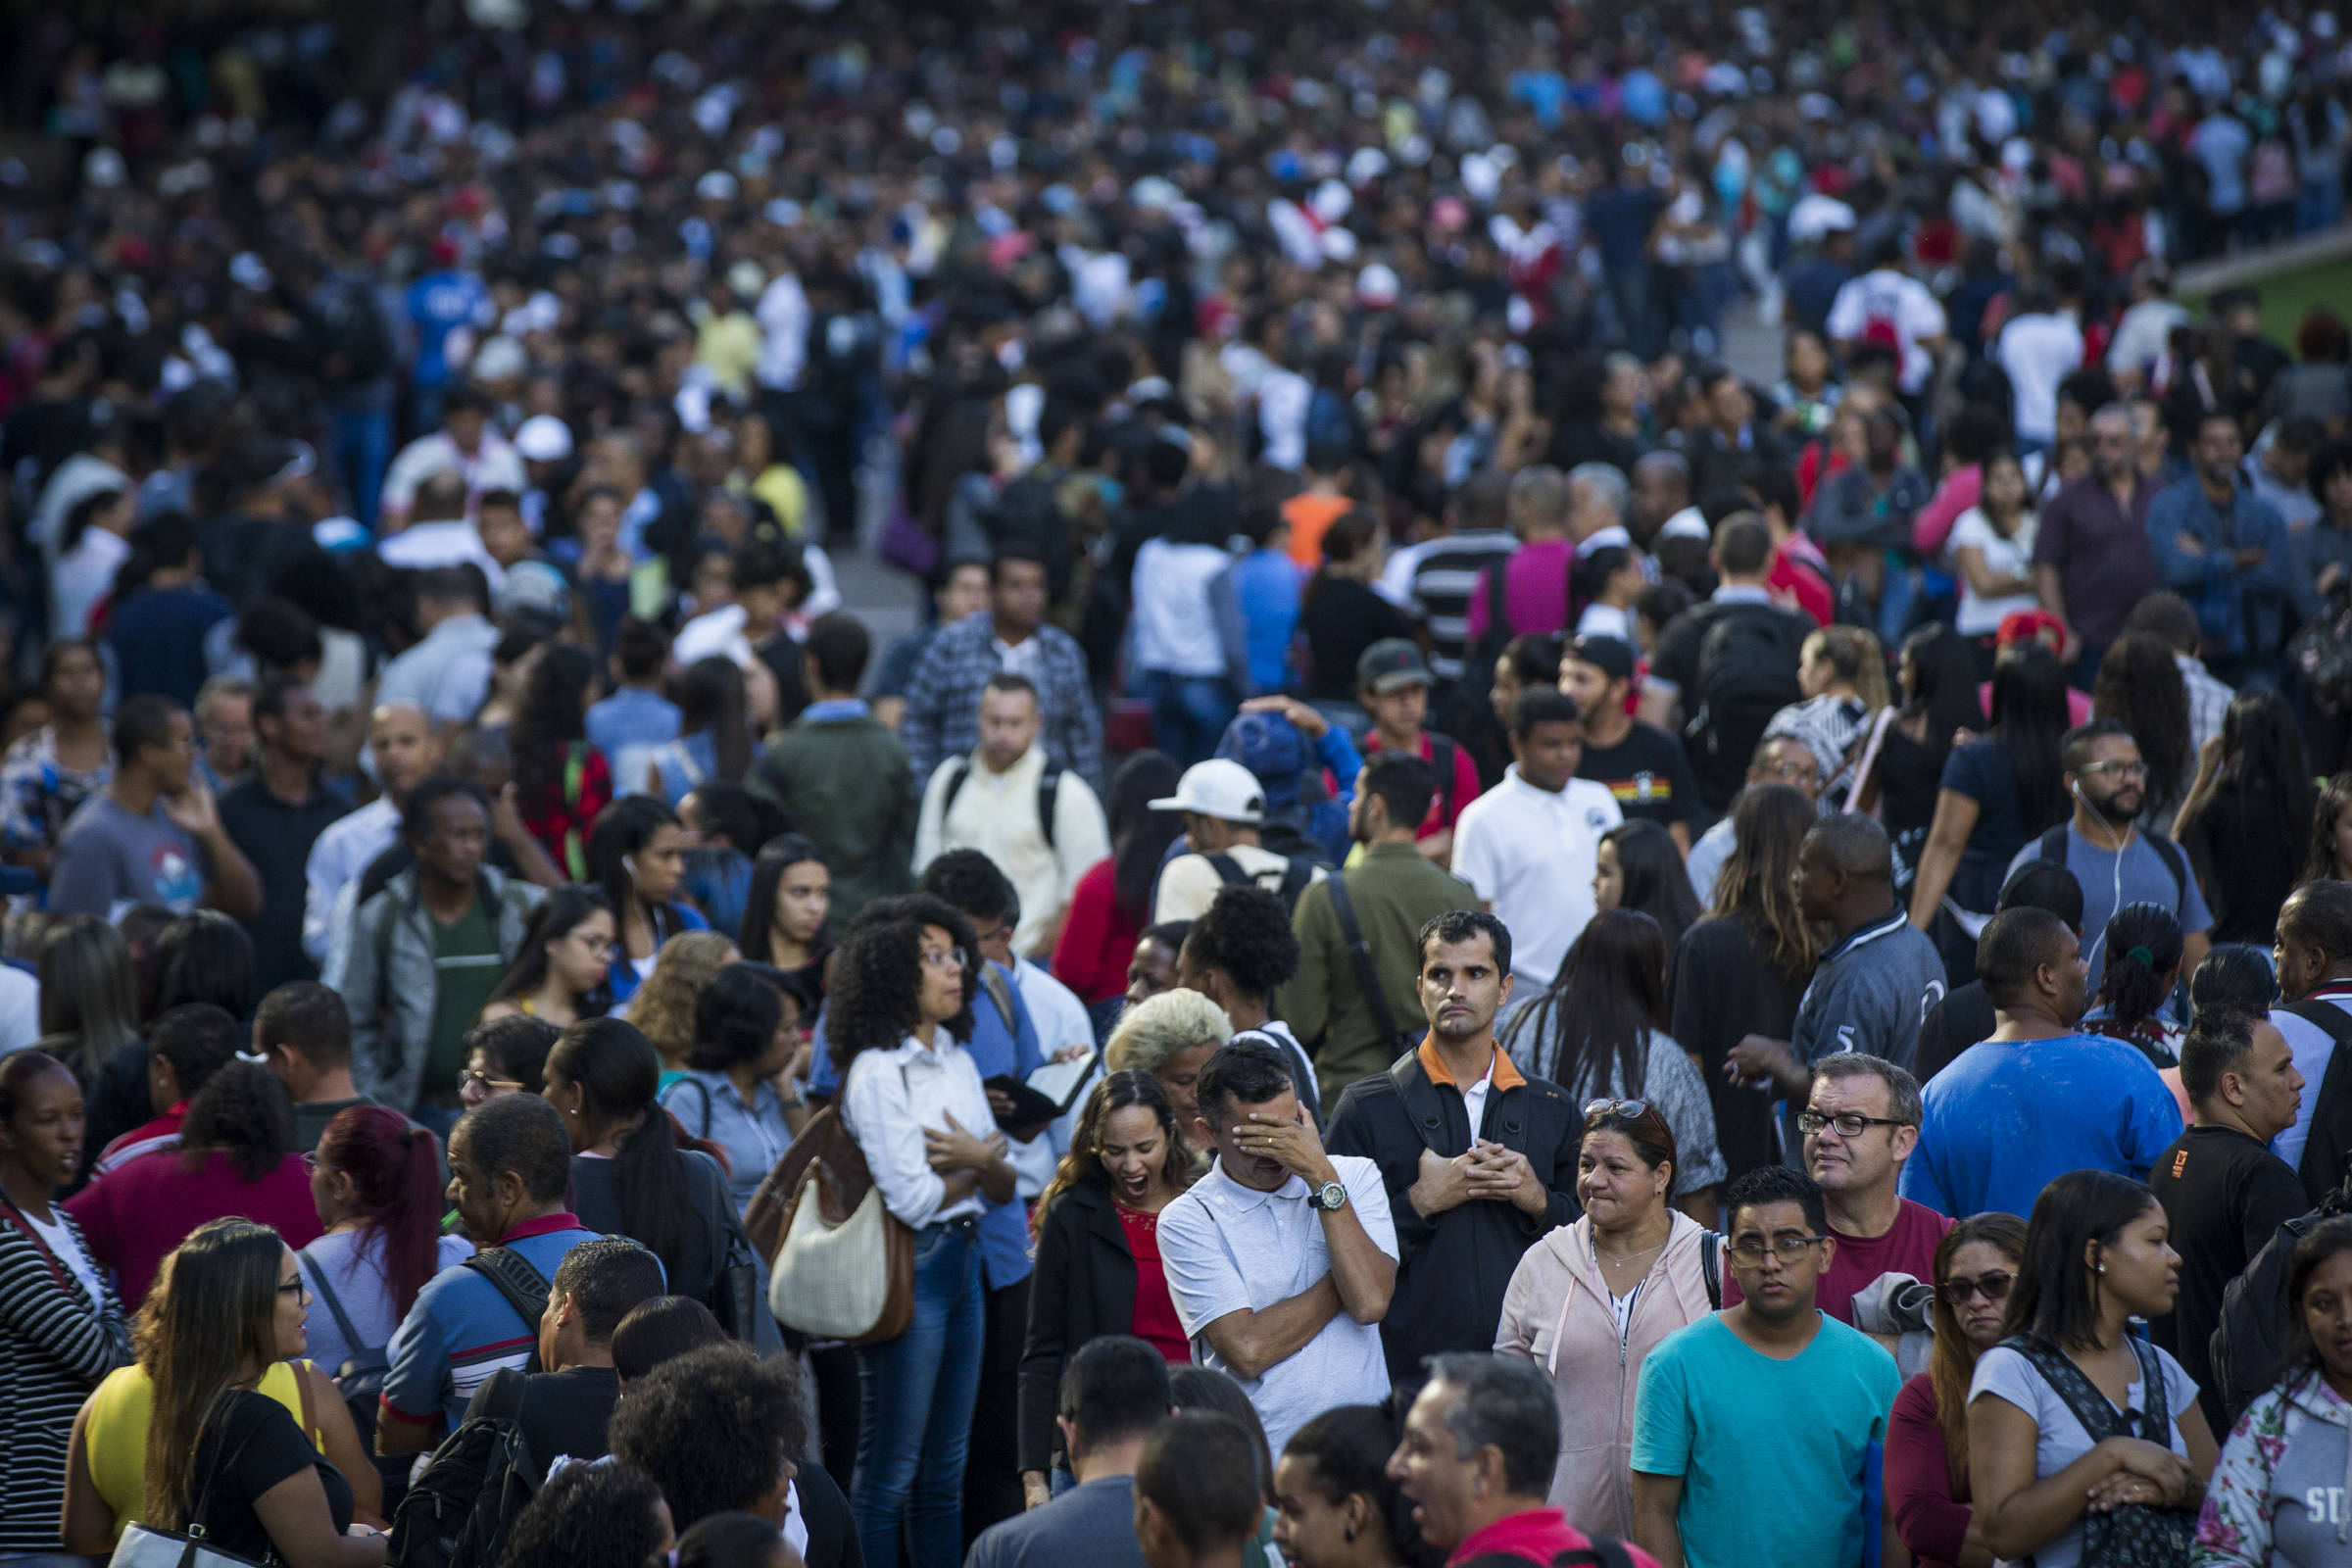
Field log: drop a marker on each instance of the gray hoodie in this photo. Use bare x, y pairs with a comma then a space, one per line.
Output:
2282, 1494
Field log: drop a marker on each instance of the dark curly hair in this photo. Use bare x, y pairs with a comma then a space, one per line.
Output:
588, 1516
713, 1428
878, 975
2139, 685
1247, 933
244, 1112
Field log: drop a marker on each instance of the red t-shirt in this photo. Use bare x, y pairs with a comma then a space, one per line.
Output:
1539, 1536
135, 1216
1908, 1248
1443, 813
1156, 1321
1096, 944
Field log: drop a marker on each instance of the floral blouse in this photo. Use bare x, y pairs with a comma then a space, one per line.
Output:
2282, 1494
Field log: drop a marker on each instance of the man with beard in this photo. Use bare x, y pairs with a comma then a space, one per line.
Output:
2039, 1097
1478, 1158
2115, 862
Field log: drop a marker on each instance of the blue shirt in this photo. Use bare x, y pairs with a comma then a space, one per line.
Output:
998, 1045
631, 717
2245, 612
439, 303
1266, 585
752, 1131
1869, 993
1695, 1415
462, 1329
719, 879
157, 637
2140, 877
626, 977
2008, 1118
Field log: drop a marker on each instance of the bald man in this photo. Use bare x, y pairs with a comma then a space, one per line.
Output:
402, 740
1874, 985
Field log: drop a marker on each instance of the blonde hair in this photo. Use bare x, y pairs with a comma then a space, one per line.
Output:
1150, 1033
664, 1009
1857, 658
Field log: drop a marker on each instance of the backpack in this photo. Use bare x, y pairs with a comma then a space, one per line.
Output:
1049, 793
361, 1377
2053, 846
2329, 1139
462, 1504
2133, 1534
2255, 1326
352, 326
1748, 663
522, 1284
1297, 872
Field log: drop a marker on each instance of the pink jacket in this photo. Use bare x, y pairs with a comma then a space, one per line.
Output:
1557, 1315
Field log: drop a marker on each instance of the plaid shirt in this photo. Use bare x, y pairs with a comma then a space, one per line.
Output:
2208, 703
943, 696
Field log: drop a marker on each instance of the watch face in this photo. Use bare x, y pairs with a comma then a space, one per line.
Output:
1331, 1195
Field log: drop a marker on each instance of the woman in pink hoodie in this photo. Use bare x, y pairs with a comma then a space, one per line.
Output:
1590, 1301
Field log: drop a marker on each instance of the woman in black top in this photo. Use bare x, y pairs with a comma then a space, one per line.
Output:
1745, 969
630, 1178
1127, 1162
2247, 819
229, 1303
1637, 867
1936, 674
1341, 615
63, 1328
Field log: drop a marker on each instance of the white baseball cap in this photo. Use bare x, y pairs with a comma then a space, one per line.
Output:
544, 438
1220, 789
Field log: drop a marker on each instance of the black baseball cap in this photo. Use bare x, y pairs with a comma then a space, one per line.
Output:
1612, 656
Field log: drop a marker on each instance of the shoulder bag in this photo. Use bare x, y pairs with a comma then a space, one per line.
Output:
2135, 1535
842, 1264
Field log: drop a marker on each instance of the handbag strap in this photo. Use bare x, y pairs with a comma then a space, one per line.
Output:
204, 1497
1359, 953
334, 1305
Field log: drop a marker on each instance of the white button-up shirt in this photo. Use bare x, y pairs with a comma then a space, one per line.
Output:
1226, 1248
1530, 854
890, 1098
996, 813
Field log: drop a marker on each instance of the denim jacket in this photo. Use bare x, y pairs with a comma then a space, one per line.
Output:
2244, 614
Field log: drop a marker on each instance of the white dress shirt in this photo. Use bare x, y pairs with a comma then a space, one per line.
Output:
338, 855
1226, 1248
996, 813
890, 1098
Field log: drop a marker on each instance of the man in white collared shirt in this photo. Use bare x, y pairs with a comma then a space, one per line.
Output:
1530, 845
1282, 1259
994, 801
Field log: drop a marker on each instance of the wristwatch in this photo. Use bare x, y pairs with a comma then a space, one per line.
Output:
1331, 1196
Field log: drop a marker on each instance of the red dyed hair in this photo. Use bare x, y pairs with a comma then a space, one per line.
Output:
395, 1172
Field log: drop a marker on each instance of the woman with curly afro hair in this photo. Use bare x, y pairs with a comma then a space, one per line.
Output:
900, 1007
1237, 954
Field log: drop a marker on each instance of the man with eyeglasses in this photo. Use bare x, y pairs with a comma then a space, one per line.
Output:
2091, 559
2223, 1191
2115, 862
1859, 1127
1770, 1407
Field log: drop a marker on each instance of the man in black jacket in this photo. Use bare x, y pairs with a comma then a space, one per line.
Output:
1478, 1158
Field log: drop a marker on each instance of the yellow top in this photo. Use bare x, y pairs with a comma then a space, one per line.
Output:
116, 1433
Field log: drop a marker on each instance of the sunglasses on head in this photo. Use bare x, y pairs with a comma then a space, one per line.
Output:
1602, 1109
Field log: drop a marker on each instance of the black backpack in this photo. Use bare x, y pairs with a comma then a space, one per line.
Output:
1747, 672
2251, 1336
361, 1377
463, 1506
1049, 793
1297, 872
2329, 1138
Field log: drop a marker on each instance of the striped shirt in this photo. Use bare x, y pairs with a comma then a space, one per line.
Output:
56, 1345
1443, 580
462, 1329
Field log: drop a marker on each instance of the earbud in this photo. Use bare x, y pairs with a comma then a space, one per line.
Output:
628, 864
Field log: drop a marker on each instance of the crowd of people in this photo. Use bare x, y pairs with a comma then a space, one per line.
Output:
1462, 934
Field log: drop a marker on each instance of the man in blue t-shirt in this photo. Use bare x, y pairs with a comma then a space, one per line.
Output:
1700, 1474
510, 1162
2037, 1099
2116, 863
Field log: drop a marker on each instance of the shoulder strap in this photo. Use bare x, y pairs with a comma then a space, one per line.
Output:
2155, 1400
1498, 626
1297, 872
302, 1395
2170, 854
1229, 870
2090, 1406
334, 1306
1420, 1099
2324, 1015
1442, 752
2052, 845
1359, 953
959, 769
511, 1274
575, 844
1048, 796
23, 1227
703, 1090
1710, 1266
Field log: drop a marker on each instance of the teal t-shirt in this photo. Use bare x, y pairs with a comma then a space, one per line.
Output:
1696, 1415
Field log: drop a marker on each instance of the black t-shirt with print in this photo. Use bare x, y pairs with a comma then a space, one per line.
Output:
1648, 773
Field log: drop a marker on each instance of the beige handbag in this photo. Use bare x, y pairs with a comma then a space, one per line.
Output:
843, 1266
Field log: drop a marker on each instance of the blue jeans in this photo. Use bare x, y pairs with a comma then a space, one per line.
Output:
1189, 712
362, 450
915, 1394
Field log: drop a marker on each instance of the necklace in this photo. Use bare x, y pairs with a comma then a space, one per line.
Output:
1627, 1259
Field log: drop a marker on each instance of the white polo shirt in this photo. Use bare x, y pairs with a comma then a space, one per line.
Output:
1226, 1248
1530, 855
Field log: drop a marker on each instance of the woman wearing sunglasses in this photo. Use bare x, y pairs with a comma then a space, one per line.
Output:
1927, 1436
1591, 1300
